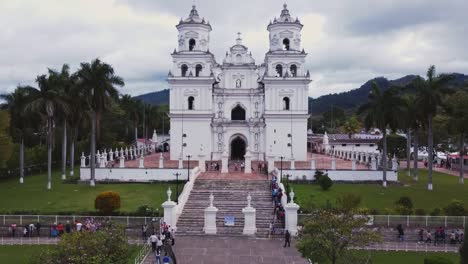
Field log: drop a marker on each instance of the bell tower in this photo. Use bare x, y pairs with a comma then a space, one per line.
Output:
190, 81
286, 88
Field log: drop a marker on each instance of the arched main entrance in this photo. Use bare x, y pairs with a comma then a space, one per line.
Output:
237, 148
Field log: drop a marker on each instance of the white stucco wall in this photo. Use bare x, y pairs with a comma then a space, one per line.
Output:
133, 174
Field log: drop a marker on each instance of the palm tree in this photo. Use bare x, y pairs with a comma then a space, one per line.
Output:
48, 100
410, 121
15, 103
429, 96
456, 106
382, 112
98, 81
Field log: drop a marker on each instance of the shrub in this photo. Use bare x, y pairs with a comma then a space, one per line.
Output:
436, 212
348, 201
455, 208
318, 174
325, 182
437, 260
374, 211
146, 210
405, 201
107, 202
401, 210
419, 211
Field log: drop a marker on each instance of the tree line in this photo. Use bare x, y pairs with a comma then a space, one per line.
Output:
413, 108
67, 109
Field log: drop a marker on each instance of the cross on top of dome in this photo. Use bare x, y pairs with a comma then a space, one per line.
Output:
193, 12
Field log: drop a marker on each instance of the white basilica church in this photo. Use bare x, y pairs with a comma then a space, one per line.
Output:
237, 106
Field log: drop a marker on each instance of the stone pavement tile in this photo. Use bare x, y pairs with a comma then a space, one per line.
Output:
217, 252
215, 259
273, 259
192, 251
250, 259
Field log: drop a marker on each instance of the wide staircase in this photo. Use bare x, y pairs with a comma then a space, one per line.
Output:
230, 197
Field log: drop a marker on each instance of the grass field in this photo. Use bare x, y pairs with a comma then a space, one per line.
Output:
23, 254
32, 195
446, 188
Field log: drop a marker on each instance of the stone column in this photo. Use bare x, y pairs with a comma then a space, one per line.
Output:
181, 162
202, 162
103, 162
142, 162
169, 210
161, 160
373, 163
249, 212
224, 162
122, 162
291, 215
333, 163
210, 218
394, 163
361, 157
83, 160
248, 161
353, 164
312, 164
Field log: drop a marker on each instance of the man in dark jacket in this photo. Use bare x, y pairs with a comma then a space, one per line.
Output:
287, 239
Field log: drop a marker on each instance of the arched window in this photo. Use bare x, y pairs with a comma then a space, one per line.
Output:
286, 103
190, 101
183, 70
238, 113
191, 44
279, 70
286, 44
293, 70
198, 69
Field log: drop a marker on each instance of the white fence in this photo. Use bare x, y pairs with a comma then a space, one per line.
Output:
342, 175
133, 174
391, 221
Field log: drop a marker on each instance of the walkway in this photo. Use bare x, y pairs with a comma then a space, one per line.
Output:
232, 250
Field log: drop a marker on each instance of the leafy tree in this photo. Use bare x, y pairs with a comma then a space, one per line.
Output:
333, 118
456, 106
107, 245
99, 82
325, 182
15, 103
455, 208
348, 201
396, 145
327, 236
382, 111
47, 100
351, 126
429, 96
6, 144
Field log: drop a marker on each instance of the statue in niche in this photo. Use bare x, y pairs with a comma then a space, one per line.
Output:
238, 83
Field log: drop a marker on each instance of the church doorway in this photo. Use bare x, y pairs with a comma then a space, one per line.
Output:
237, 148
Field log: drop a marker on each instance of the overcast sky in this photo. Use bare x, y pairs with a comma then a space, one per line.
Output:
348, 41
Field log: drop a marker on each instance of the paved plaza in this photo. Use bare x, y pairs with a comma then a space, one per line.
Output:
232, 250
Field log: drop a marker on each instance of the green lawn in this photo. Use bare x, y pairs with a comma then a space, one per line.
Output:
446, 188
32, 195
382, 257
22, 254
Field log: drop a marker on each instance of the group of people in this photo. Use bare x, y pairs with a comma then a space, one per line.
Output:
55, 229
165, 241
213, 166
276, 196
440, 236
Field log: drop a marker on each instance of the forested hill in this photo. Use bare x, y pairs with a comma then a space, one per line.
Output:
346, 100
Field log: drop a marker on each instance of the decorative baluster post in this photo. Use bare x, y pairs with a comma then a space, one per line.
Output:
249, 212
291, 215
83, 160
210, 218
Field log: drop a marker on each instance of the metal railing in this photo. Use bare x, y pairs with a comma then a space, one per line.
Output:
133, 224
142, 254
391, 221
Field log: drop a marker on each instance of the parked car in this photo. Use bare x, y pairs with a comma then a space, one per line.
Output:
424, 154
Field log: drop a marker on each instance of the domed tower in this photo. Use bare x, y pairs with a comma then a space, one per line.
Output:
286, 88
190, 82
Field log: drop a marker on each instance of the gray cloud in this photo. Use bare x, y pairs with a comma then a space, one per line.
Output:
348, 42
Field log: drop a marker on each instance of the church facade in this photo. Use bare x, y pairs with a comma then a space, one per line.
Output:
238, 106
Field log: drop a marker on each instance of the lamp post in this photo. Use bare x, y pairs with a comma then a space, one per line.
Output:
281, 169
287, 186
188, 167
177, 186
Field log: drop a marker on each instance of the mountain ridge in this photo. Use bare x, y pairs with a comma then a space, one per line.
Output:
348, 100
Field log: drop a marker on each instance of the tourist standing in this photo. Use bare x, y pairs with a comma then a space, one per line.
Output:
144, 232
153, 239
287, 239
38, 229
68, 227
157, 256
